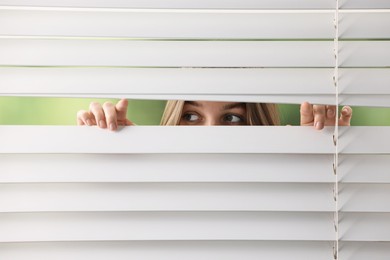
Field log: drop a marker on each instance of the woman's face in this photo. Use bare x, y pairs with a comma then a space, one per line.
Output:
207, 113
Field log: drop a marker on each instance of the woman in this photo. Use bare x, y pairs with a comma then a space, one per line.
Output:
208, 113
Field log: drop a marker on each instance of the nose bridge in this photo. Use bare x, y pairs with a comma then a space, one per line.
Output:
210, 121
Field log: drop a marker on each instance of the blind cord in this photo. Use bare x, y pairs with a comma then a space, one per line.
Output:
336, 133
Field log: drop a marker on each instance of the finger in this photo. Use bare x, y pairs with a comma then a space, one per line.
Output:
330, 115
307, 117
111, 116
121, 109
319, 116
346, 116
98, 114
84, 118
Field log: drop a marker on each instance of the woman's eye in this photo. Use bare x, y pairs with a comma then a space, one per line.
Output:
191, 117
233, 119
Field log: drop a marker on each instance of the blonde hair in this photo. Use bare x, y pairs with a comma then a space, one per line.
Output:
257, 113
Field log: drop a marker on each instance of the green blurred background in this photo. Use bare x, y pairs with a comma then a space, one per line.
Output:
62, 111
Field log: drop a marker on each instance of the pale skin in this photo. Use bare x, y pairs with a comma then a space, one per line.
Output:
208, 113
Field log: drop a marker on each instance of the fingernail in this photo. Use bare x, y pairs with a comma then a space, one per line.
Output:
89, 122
319, 125
345, 111
112, 127
102, 124
330, 113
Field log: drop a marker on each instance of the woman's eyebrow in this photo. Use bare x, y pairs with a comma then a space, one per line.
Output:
234, 105
193, 103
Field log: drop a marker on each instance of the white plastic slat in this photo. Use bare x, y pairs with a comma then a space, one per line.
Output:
166, 139
261, 24
51, 168
166, 197
364, 140
167, 24
364, 198
168, 81
364, 227
366, 100
360, 87
364, 4
364, 54
364, 81
218, 4
167, 53
173, 139
364, 25
192, 53
364, 250
288, 99
364, 168
108, 226
168, 250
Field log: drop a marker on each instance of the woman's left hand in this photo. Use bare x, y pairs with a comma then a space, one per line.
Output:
321, 115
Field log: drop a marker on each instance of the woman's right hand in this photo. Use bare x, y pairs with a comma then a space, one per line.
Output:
107, 115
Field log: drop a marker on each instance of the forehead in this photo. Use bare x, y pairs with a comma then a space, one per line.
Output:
215, 105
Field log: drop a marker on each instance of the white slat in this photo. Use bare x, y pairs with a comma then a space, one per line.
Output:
95, 226
364, 168
364, 250
168, 250
192, 53
364, 140
173, 139
185, 24
364, 25
167, 53
365, 227
52, 168
364, 4
166, 139
357, 86
364, 197
364, 54
73, 197
218, 4
169, 81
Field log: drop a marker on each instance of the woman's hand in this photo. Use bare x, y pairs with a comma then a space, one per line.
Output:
321, 115
107, 116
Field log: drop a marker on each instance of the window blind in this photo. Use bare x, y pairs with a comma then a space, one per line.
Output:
188, 192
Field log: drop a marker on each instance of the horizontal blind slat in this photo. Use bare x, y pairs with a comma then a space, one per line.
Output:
364, 250
168, 250
54, 168
192, 54
166, 81
364, 25
364, 168
364, 53
186, 24
108, 226
364, 4
73, 197
364, 197
171, 139
166, 139
364, 140
251, 4
168, 24
165, 53
364, 227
